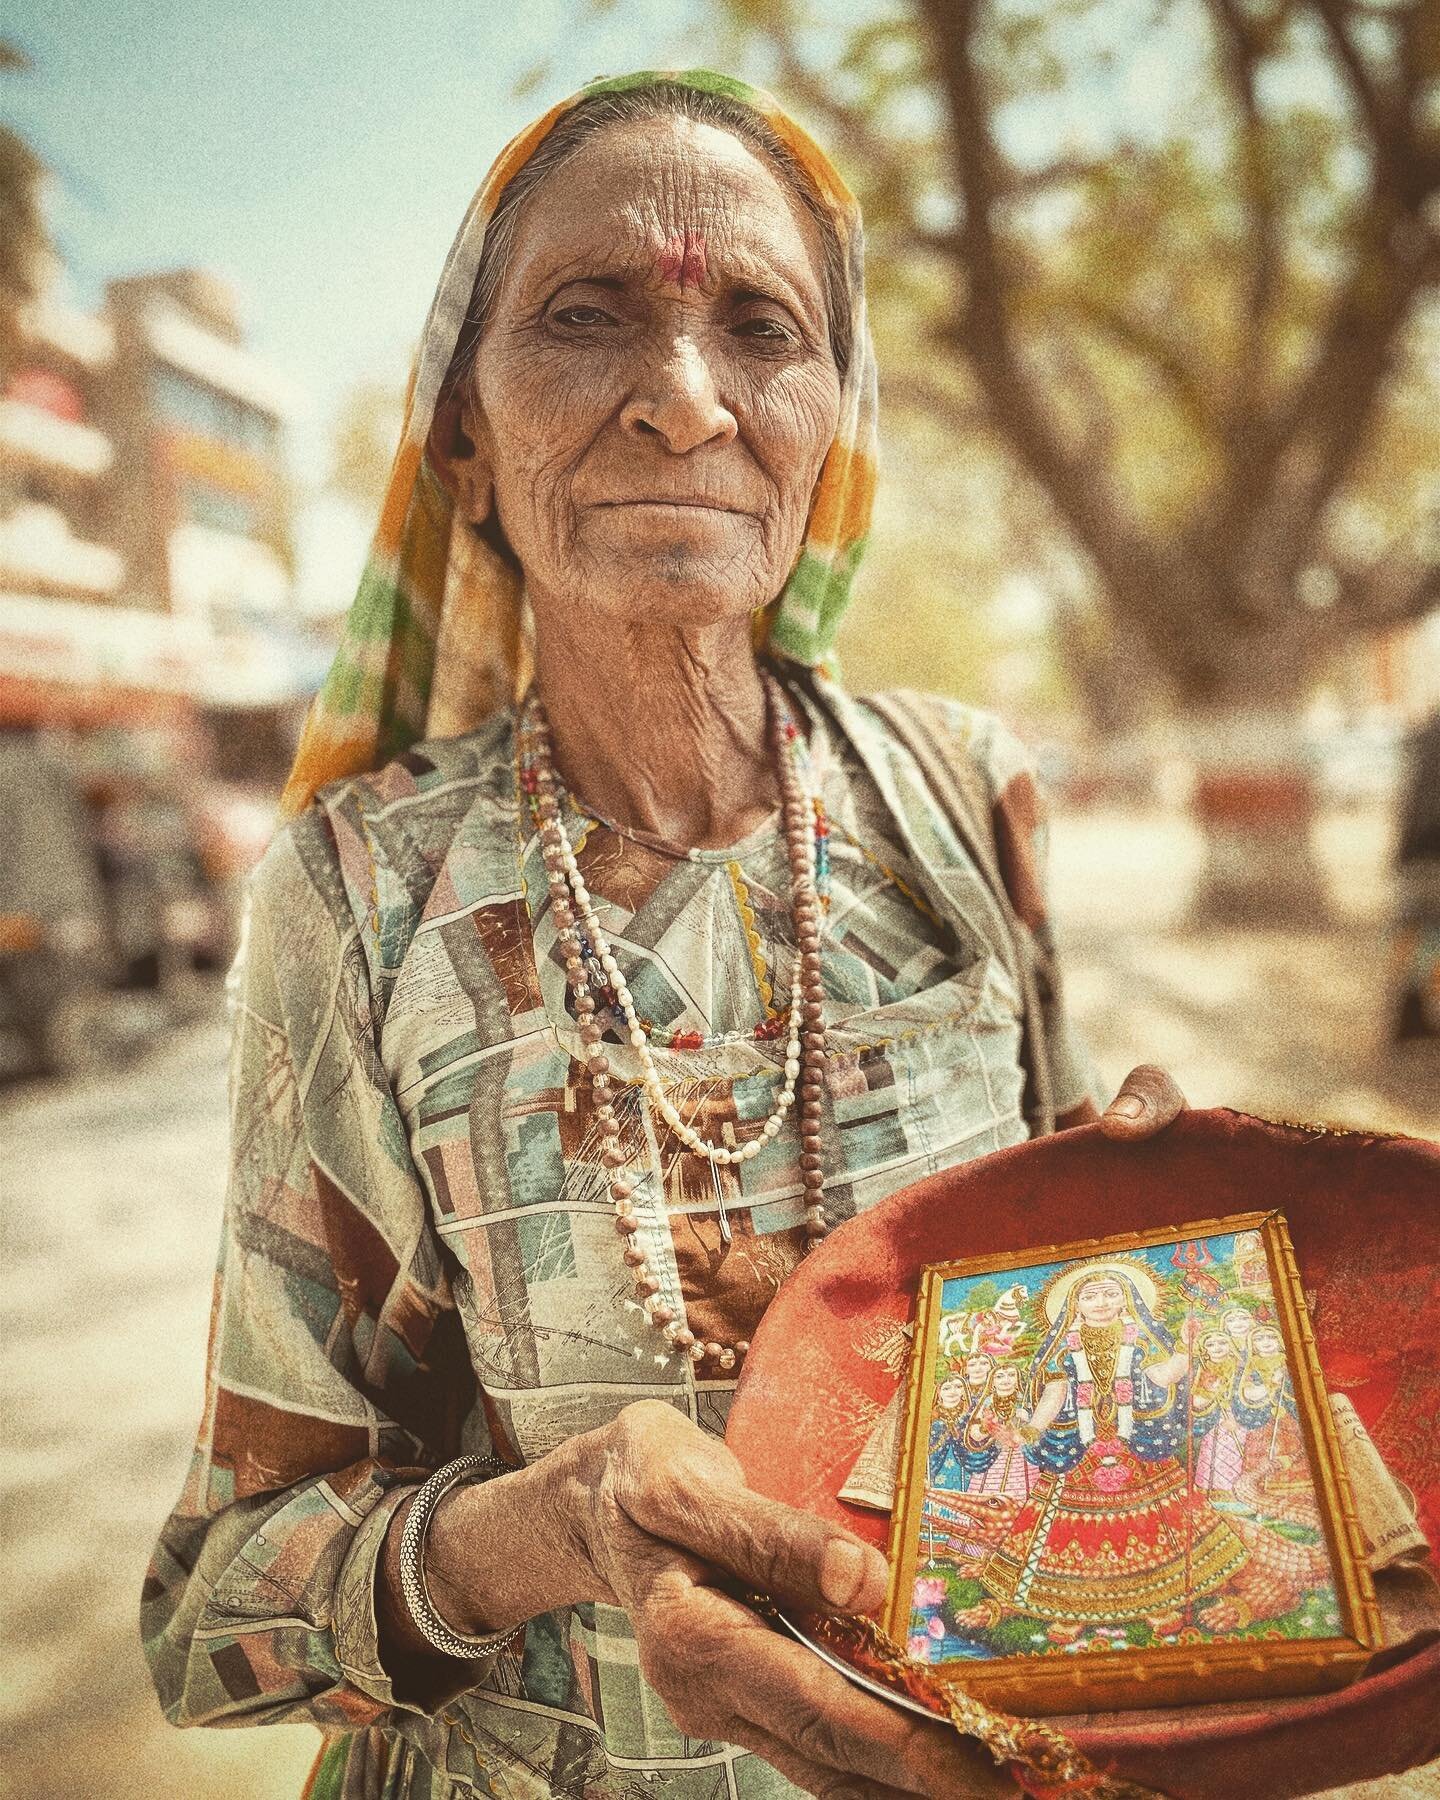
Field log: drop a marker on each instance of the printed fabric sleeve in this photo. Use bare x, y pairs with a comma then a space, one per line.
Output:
337, 1375
1022, 841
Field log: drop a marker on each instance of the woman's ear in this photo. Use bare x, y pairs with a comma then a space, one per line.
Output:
457, 455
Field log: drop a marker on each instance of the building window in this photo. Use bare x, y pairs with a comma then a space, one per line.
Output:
218, 508
209, 412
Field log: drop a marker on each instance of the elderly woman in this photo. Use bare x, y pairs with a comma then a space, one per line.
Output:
568, 1022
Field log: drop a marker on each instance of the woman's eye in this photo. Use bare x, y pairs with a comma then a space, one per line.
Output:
580, 315
765, 331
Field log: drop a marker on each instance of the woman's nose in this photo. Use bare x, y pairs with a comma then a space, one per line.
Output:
678, 399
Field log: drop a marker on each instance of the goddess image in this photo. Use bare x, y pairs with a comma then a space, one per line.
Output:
1113, 1530
999, 1467
1273, 1456
952, 1463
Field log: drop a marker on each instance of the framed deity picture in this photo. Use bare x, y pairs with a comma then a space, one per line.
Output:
1119, 1480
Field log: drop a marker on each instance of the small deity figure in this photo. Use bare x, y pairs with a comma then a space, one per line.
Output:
998, 1327
1238, 1322
1275, 1485
1219, 1435
993, 1435
952, 1463
1273, 1459
1251, 1269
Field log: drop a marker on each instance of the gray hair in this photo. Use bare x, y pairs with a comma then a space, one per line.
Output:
656, 100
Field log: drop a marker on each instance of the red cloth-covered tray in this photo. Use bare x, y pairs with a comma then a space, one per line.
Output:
1364, 1217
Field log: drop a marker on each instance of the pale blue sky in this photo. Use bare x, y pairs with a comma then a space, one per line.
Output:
319, 156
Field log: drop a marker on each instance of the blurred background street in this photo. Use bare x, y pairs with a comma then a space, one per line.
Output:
1155, 288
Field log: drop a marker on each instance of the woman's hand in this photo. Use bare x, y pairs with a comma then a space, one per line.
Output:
669, 1517
1148, 1101
654, 1514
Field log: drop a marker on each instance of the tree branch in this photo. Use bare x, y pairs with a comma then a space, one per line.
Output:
1178, 373
1083, 494
1396, 589
1374, 106
1239, 57
1020, 184
1288, 462
927, 394
868, 149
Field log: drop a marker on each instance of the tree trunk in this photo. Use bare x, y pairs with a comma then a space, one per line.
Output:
1255, 799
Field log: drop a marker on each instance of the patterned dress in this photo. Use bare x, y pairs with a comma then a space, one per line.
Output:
419, 1256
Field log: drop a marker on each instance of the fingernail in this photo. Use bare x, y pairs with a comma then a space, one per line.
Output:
1126, 1106
842, 1571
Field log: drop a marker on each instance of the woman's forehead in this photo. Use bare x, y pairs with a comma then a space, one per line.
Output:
668, 200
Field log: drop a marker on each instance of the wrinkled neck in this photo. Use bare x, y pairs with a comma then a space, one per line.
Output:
657, 726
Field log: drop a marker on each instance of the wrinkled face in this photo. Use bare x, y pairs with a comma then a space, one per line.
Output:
977, 1368
1006, 1381
952, 1393
1100, 1300
1265, 1341
654, 392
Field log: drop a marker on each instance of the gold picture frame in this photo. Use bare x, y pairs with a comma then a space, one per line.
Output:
1120, 1483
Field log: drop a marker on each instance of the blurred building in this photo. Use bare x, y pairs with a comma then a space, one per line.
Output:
197, 418
146, 561
55, 458
204, 511
153, 668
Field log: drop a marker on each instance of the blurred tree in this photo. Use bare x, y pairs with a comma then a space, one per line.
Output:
1173, 265
366, 431
24, 241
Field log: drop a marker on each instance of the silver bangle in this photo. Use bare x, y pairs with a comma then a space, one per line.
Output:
412, 1562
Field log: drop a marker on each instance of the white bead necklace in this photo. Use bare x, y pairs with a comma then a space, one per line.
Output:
571, 905
650, 1075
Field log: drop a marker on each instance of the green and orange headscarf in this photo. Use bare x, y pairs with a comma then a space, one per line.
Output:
433, 642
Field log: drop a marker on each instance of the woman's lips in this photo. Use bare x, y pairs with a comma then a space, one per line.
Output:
674, 505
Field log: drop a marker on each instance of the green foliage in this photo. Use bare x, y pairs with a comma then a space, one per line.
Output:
366, 431
1293, 1531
